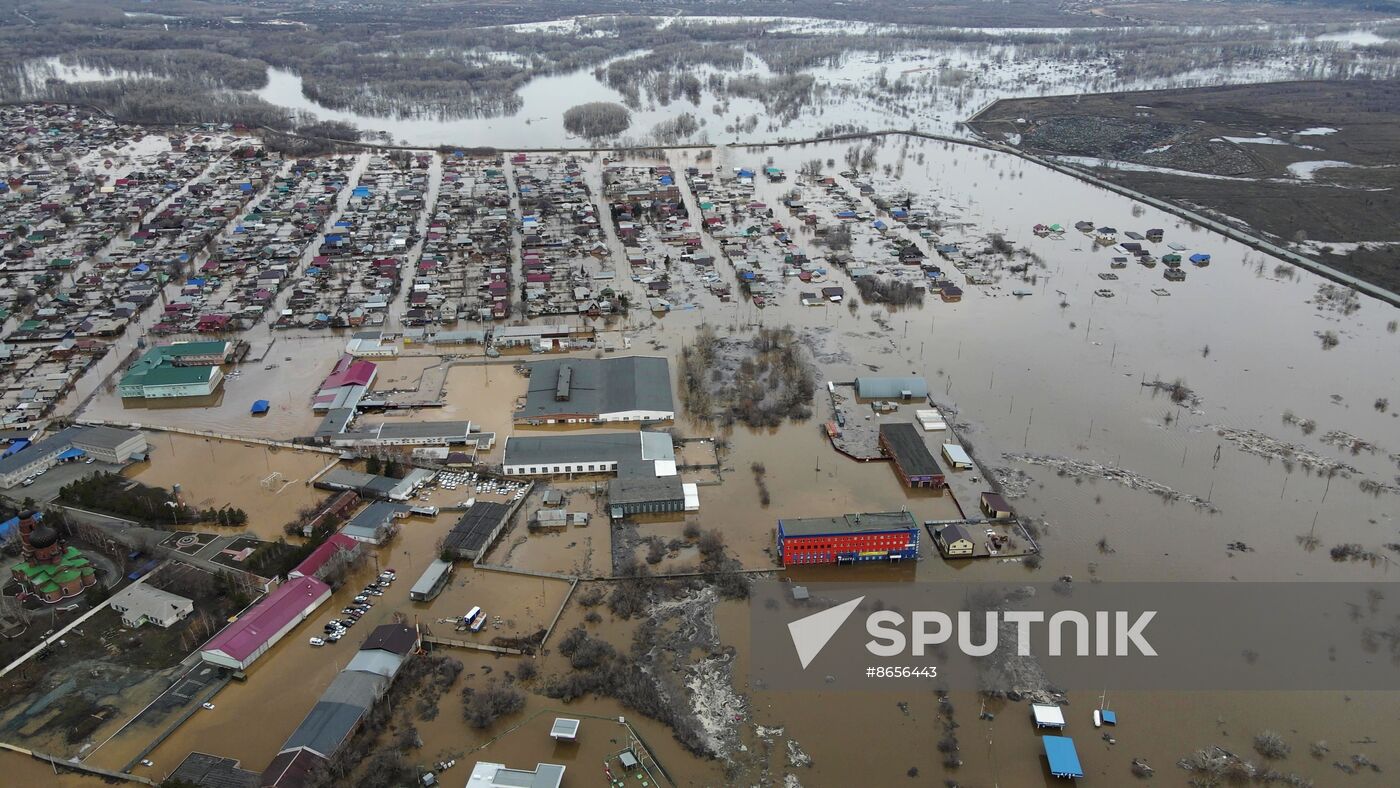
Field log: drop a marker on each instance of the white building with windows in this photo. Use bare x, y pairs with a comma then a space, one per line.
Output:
639, 454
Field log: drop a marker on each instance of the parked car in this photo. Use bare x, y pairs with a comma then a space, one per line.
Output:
317, 642
208, 706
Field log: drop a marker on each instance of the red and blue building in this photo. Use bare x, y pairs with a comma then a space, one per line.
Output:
847, 539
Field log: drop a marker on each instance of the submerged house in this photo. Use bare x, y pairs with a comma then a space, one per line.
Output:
955, 541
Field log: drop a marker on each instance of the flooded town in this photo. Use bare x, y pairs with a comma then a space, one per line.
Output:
545, 340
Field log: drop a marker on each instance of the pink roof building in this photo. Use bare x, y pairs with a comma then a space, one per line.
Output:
259, 629
329, 549
349, 371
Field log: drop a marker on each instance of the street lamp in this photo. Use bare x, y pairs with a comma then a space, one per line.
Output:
174, 507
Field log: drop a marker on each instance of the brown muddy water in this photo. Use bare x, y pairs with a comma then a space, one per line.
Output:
214, 473
298, 362
23, 770
1027, 376
1031, 376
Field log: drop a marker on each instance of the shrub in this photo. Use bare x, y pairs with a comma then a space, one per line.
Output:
482, 707
1271, 745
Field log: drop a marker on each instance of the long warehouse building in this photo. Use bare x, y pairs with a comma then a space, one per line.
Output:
586, 390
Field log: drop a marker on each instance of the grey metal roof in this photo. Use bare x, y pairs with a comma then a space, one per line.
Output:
476, 526
57, 442
354, 688
906, 443
335, 422
327, 727
430, 577
365, 483
376, 661
632, 451
888, 388
104, 437
372, 520
865, 522
391, 430
629, 490
211, 771
589, 386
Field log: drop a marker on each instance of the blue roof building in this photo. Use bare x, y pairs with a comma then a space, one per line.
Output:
1063, 758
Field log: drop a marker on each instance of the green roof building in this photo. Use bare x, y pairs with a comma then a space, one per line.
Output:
184, 369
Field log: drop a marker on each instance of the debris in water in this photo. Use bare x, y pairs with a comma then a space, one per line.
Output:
1349, 442
1261, 445
1014, 482
796, 756
1134, 481
1180, 393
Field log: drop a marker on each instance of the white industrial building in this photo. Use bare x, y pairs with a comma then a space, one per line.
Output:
106, 444
639, 454
110, 444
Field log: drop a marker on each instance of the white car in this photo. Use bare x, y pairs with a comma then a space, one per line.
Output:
317, 642
208, 706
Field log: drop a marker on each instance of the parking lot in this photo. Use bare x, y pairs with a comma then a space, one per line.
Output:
46, 486
363, 602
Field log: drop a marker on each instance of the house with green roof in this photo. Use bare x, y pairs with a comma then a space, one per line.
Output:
184, 369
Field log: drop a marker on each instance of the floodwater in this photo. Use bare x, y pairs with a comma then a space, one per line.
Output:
849, 92
1057, 373
23, 770
288, 377
1032, 376
243, 468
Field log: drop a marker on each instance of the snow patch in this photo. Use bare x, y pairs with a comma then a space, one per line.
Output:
1255, 141
1305, 170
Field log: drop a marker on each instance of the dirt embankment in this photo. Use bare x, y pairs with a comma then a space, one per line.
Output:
1300, 161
